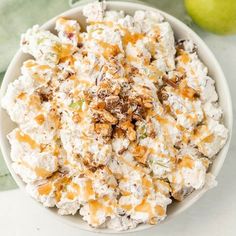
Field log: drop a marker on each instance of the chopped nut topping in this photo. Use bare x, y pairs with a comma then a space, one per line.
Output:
103, 129
111, 101
106, 116
76, 118
131, 134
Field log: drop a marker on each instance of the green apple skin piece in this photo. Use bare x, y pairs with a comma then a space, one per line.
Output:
217, 16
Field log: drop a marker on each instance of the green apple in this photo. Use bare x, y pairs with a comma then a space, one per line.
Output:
218, 16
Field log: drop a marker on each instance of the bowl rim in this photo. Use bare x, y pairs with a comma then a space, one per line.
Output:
193, 35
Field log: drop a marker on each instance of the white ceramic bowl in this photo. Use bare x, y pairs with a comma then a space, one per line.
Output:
181, 32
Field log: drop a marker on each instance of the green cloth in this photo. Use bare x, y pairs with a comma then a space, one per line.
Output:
18, 15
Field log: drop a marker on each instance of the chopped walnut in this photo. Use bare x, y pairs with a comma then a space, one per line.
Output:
109, 117
111, 102
105, 116
102, 93
103, 129
126, 124
118, 133
139, 113
131, 134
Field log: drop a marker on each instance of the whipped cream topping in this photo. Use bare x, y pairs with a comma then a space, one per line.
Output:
113, 122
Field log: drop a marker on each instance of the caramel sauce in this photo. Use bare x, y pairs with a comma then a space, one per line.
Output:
69, 29
106, 198
88, 190
178, 112
40, 119
70, 195
127, 207
147, 208
66, 162
186, 162
43, 67
76, 187
125, 193
131, 37
144, 206
110, 50
30, 63
72, 77
199, 131
58, 196
181, 70
56, 152
82, 82
63, 50
62, 20
55, 118
45, 189
185, 139
42, 172
25, 138
208, 139
59, 185
21, 96
187, 92
184, 57
161, 120
159, 210
146, 183
107, 23
96, 67
109, 210
38, 79
152, 48
70, 60
155, 73
34, 101
130, 58
94, 207
66, 50
137, 168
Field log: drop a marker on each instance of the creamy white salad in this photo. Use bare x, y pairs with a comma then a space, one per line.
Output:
113, 122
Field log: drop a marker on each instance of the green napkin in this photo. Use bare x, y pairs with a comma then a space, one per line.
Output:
18, 15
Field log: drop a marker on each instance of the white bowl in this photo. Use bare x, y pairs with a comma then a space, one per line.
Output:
181, 32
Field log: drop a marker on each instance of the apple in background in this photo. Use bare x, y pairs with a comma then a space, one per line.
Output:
218, 16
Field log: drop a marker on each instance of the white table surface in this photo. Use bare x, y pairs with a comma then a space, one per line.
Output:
214, 214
